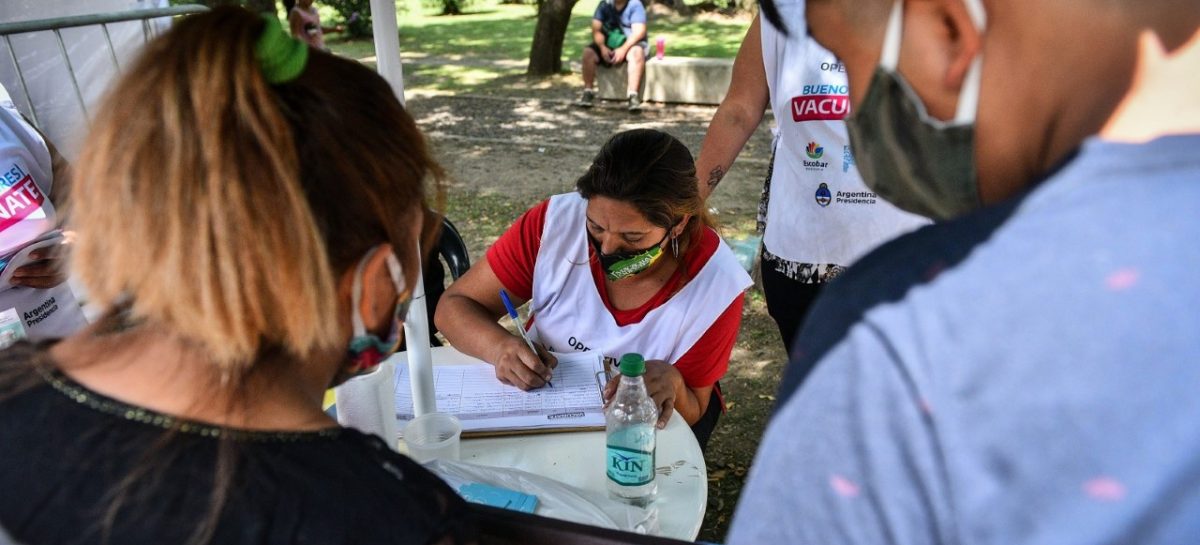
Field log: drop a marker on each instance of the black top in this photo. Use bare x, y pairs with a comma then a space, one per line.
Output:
66, 452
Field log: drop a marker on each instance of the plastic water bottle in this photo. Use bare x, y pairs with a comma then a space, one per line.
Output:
660, 47
630, 425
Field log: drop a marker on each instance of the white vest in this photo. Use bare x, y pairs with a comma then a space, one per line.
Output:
819, 211
569, 314
26, 213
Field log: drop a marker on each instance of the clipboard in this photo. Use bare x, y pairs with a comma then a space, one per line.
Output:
483, 434
488, 408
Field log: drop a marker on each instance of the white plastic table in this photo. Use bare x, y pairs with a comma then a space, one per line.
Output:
577, 458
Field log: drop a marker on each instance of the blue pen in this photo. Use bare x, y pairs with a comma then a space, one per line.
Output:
512, 313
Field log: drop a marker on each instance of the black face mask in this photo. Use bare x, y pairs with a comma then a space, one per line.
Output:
622, 265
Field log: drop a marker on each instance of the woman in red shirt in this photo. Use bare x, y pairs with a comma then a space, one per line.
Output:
628, 263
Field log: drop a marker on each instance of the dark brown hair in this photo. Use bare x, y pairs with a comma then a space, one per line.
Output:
654, 172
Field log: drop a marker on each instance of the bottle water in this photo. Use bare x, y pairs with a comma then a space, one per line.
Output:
630, 425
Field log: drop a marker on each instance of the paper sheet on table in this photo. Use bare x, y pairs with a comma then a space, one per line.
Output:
484, 404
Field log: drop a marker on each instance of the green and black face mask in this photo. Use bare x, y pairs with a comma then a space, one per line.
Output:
621, 265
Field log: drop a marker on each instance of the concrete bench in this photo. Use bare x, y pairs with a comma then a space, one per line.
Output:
686, 80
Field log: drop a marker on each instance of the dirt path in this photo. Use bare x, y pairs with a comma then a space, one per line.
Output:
506, 153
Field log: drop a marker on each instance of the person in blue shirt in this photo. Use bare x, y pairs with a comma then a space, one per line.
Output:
618, 36
1024, 372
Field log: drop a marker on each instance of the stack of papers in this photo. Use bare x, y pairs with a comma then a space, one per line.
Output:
21, 257
485, 405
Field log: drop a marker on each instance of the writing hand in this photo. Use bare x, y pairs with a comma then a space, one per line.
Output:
519, 366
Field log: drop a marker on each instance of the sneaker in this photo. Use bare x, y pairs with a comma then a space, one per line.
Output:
635, 103
587, 99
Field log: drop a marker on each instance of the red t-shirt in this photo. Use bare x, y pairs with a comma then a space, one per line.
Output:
513, 255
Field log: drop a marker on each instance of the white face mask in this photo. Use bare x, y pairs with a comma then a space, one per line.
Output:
920, 164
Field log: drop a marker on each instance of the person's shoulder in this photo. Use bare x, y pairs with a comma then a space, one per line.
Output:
368, 472
703, 248
20, 351
19, 375
538, 210
708, 240
887, 275
564, 205
919, 256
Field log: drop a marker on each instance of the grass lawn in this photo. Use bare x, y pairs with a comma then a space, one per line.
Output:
492, 40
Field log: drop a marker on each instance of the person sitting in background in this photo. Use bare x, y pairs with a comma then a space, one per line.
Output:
305, 23
628, 263
244, 270
618, 36
37, 303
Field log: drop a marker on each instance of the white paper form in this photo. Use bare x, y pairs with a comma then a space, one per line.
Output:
483, 403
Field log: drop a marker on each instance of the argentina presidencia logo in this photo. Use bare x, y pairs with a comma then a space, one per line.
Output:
824, 197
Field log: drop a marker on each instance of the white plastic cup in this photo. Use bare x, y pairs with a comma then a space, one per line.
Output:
433, 436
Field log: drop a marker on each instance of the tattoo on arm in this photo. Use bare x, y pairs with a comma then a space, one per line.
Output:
714, 177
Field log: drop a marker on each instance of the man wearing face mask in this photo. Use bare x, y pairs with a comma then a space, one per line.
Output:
1024, 372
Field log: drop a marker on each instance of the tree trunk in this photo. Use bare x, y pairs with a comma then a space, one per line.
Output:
451, 7
545, 56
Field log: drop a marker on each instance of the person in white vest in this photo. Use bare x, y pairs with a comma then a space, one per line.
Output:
35, 300
816, 214
628, 263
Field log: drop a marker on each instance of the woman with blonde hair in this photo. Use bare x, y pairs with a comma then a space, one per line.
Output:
248, 211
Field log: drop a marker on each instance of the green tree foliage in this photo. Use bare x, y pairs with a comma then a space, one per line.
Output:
356, 15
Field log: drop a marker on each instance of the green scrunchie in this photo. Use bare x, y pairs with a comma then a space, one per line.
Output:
281, 57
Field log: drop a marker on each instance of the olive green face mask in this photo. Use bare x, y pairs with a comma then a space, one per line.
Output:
917, 162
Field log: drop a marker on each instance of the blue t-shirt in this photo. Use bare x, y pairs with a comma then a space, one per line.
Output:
1028, 374
609, 17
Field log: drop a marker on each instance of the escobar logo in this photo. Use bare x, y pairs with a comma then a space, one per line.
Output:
815, 151
824, 197
821, 103
19, 196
